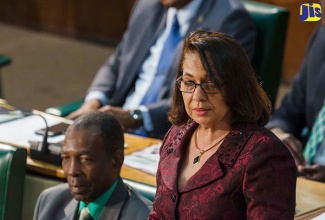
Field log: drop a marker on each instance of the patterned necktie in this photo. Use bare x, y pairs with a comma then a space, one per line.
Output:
316, 137
84, 214
166, 57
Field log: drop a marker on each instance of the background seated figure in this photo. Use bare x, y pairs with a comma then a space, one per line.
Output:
92, 156
300, 120
136, 82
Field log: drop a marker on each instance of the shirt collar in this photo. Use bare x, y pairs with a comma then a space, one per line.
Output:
96, 206
184, 15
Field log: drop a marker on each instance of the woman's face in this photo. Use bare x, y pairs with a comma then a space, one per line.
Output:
208, 110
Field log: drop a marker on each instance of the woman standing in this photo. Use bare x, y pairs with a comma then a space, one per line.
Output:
218, 161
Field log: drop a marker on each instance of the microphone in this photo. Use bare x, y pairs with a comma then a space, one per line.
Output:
42, 150
41, 147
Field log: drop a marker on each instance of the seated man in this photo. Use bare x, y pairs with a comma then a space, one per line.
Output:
135, 84
92, 156
302, 108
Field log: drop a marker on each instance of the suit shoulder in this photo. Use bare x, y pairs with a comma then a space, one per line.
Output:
265, 134
137, 199
265, 138
229, 6
61, 190
137, 205
142, 6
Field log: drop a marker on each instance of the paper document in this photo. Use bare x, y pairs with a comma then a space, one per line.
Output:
320, 217
4, 109
145, 160
20, 131
6, 118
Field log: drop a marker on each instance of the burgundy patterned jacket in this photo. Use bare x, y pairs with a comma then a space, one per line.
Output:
251, 176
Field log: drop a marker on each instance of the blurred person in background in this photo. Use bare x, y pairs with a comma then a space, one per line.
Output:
300, 120
136, 82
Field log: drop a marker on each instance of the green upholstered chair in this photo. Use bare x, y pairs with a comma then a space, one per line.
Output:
4, 60
271, 22
148, 191
12, 179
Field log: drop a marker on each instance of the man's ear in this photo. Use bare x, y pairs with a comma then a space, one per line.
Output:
117, 160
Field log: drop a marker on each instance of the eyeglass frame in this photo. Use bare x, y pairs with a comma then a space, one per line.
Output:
180, 79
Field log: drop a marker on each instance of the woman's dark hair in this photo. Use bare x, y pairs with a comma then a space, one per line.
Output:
224, 60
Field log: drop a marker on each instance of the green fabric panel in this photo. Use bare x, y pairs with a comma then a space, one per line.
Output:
12, 179
271, 22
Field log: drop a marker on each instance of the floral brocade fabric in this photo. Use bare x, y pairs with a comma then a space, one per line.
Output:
251, 176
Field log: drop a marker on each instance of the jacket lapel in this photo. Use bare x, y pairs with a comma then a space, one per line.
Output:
115, 204
171, 164
112, 208
223, 159
200, 16
71, 210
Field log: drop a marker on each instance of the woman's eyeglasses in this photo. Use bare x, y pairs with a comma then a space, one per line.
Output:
190, 86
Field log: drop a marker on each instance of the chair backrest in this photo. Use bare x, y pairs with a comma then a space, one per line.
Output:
12, 179
271, 22
4, 60
145, 190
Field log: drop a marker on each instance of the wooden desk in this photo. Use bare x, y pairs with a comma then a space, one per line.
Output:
310, 196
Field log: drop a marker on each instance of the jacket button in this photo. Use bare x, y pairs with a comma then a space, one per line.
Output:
173, 198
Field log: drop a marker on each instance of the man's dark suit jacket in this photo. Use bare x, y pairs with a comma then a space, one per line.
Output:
117, 76
302, 104
57, 203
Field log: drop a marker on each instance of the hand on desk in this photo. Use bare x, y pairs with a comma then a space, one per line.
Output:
89, 106
122, 115
314, 172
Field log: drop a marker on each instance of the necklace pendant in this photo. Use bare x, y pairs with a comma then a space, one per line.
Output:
196, 160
